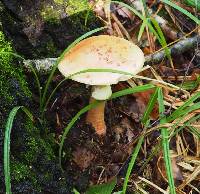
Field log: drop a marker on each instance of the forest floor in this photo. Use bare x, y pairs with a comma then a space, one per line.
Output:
152, 141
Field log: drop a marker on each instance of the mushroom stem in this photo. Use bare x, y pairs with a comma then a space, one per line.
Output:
95, 117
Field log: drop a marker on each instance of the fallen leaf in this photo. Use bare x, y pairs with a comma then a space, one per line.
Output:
83, 157
177, 173
142, 99
137, 106
124, 12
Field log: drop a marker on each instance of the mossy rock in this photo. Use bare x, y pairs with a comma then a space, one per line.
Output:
14, 72
45, 28
34, 166
34, 162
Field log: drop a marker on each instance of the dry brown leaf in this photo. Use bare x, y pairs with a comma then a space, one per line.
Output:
177, 173
195, 74
138, 106
142, 99
83, 157
124, 12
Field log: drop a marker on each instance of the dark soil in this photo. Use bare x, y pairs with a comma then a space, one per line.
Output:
91, 159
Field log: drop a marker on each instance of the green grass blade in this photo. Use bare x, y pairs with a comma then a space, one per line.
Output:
151, 28
7, 149
192, 17
193, 3
186, 111
154, 152
184, 106
190, 85
38, 83
6, 154
132, 162
89, 10
144, 22
61, 57
28, 113
142, 27
105, 188
75, 191
179, 121
144, 3
132, 90
162, 40
51, 95
194, 130
160, 37
165, 143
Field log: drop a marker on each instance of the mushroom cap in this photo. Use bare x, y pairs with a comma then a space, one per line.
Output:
102, 52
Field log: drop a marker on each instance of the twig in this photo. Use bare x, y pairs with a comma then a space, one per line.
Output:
121, 26
45, 65
176, 49
152, 184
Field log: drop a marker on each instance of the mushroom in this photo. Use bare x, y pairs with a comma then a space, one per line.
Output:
101, 52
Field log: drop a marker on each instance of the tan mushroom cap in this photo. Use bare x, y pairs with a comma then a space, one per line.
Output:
102, 52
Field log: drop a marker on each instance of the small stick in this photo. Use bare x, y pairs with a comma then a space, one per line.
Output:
121, 26
45, 65
177, 49
117, 29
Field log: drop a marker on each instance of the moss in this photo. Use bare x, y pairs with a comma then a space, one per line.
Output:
30, 156
21, 172
73, 6
35, 146
51, 14
76, 6
81, 15
60, 2
51, 48
9, 71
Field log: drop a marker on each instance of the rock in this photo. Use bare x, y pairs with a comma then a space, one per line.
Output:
33, 163
44, 28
